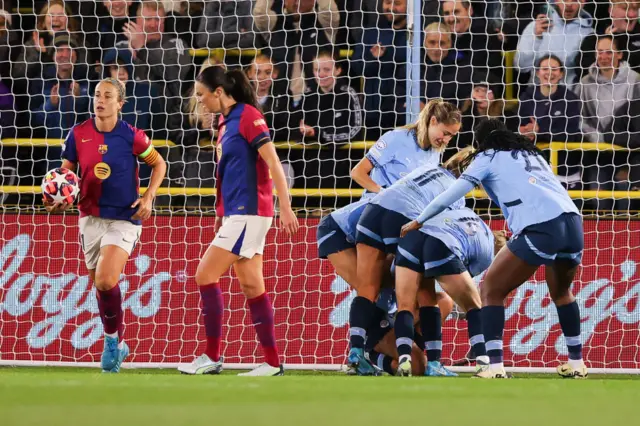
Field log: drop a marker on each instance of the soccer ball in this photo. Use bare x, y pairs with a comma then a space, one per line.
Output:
60, 185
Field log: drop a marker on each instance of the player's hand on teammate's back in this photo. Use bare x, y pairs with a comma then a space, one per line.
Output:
289, 221
56, 207
411, 226
145, 206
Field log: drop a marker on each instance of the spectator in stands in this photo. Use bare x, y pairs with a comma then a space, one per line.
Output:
111, 28
608, 93
272, 97
381, 58
607, 90
548, 111
474, 41
295, 30
53, 17
445, 76
142, 100
560, 31
66, 100
332, 115
625, 25
228, 24
161, 59
483, 104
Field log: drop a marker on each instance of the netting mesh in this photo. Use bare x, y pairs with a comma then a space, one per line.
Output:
331, 77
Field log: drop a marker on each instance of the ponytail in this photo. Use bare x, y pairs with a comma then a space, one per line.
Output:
444, 112
240, 88
234, 83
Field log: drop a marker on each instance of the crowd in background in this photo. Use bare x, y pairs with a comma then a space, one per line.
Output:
329, 72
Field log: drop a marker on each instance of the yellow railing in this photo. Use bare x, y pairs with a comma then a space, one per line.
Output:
58, 142
555, 147
220, 53
335, 192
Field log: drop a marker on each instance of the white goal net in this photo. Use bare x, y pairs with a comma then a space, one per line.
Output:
331, 76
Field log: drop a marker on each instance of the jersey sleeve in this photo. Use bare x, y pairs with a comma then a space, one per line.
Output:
381, 153
142, 145
478, 170
253, 128
69, 148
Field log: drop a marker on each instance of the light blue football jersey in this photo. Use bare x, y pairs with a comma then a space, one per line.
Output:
395, 155
522, 184
466, 235
411, 194
347, 218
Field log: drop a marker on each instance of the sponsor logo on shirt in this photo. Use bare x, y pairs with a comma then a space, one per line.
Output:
83, 140
102, 170
259, 122
381, 144
219, 150
102, 149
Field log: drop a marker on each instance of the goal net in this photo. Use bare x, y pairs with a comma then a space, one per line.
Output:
331, 77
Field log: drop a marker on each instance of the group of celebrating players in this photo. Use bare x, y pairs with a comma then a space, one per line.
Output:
410, 228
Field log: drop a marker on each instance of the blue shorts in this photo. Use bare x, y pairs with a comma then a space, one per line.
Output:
544, 243
331, 239
427, 255
380, 228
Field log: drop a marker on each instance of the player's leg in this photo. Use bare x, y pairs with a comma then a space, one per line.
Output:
464, 292
370, 271
249, 273
560, 276
217, 260
407, 284
107, 274
506, 273
345, 263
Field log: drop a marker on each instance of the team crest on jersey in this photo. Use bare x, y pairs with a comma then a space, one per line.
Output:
102, 149
532, 180
102, 170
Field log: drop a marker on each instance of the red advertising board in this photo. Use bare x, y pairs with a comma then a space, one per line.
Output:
48, 310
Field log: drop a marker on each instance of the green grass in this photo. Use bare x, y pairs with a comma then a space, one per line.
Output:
62, 396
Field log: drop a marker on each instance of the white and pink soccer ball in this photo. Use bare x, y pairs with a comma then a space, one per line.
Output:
60, 185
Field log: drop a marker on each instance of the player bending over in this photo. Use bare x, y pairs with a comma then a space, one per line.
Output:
336, 242
378, 231
402, 150
244, 212
111, 211
452, 247
547, 229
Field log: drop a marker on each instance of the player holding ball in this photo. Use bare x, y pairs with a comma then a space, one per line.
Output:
106, 149
244, 208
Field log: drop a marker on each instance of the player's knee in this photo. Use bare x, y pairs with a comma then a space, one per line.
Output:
561, 296
445, 303
490, 295
252, 289
105, 280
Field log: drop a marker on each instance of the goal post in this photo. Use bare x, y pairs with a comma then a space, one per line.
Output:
48, 312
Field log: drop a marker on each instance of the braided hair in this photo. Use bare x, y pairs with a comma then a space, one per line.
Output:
492, 134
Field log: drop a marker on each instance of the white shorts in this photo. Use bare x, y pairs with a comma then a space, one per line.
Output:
243, 235
96, 232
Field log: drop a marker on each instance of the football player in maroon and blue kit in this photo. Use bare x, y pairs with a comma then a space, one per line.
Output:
247, 160
106, 150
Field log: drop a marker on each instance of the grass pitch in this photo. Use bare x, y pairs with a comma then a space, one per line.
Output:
85, 397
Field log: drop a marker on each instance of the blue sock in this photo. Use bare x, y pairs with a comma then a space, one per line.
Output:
492, 328
362, 310
404, 333
431, 327
476, 338
569, 316
384, 362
